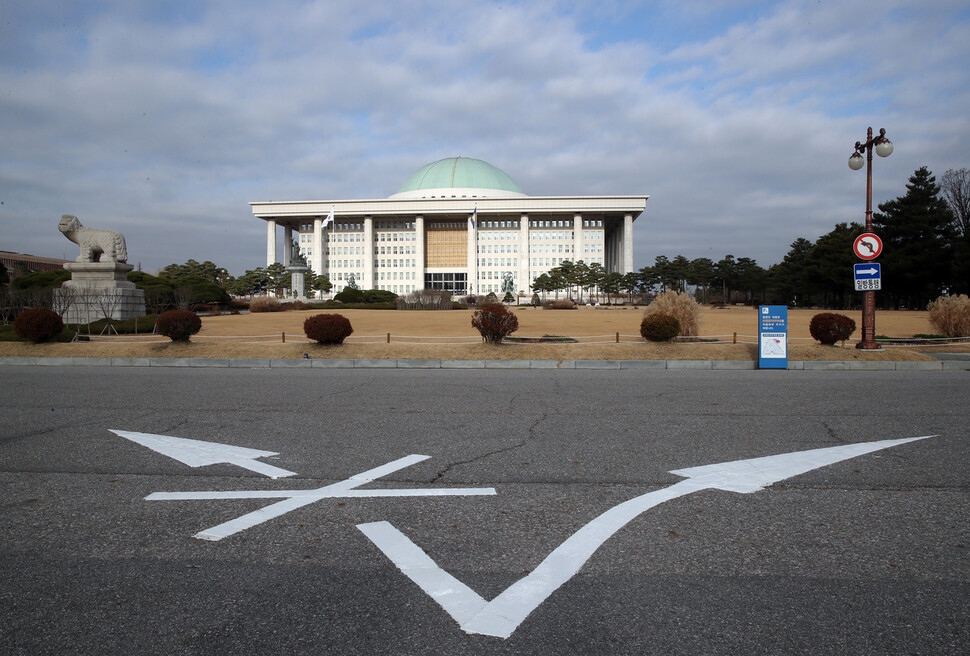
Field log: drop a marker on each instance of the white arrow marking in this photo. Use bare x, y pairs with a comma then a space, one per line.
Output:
501, 616
196, 453
871, 271
293, 499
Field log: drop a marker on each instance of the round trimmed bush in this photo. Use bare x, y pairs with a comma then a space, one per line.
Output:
829, 328
38, 324
350, 295
178, 325
659, 327
495, 323
328, 328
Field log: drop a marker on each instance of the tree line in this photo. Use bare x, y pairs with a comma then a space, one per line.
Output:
273, 278
926, 253
925, 232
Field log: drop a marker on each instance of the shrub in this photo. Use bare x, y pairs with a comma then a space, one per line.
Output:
327, 328
295, 305
349, 295
495, 323
178, 325
659, 327
38, 324
951, 315
379, 296
829, 328
562, 304
680, 306
265, 304
425, 299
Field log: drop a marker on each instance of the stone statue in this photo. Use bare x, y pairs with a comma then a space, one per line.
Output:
297, 259
507, 285
98, 288
94, 243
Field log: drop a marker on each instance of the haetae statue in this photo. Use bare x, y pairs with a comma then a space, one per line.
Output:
94, 243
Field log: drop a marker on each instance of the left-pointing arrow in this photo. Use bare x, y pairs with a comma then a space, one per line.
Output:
196, 453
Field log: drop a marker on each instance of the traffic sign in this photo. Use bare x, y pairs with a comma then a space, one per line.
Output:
868, 276
867, 246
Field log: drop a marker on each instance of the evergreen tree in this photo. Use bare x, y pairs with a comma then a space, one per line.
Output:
829, 266
726, 276
788, 277
700, 272
918, 243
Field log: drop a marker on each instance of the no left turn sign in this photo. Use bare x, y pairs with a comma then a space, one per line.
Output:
867, 246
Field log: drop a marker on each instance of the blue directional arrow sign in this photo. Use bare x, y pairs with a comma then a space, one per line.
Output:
868, 276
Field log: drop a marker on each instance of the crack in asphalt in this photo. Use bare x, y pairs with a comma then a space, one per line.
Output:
530, 435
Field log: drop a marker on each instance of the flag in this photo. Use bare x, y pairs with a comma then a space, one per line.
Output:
328, 220
474, 216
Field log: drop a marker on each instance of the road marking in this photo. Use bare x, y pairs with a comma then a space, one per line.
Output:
293, 499
501, 616
197, 453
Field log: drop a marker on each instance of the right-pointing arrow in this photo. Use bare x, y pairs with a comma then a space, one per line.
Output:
502, 615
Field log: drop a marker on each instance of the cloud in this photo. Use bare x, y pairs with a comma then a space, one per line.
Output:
163, 121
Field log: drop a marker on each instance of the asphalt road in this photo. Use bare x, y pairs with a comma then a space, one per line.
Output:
865, 556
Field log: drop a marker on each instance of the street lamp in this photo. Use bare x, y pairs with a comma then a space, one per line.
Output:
883, 148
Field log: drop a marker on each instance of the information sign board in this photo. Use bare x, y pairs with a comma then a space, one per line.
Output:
868, 277
773, 337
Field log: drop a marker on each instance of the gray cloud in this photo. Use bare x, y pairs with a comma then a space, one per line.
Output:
164, 125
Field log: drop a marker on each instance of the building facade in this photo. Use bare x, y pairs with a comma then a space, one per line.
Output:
458, 224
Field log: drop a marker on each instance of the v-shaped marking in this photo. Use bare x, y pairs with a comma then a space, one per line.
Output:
502, 616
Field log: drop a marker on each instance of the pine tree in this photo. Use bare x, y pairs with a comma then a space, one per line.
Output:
916, 230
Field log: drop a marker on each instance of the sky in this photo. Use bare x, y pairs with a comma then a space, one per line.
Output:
163, 120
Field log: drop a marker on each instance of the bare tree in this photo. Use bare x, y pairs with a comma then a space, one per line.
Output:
182, 298
955, 185
9, 303
106, 302
62, 300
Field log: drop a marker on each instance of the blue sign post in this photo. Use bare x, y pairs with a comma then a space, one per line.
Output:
868, 276
773, 337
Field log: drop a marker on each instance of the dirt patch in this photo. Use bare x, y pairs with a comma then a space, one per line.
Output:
449, 335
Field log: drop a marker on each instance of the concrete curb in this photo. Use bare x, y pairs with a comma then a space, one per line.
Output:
682, 365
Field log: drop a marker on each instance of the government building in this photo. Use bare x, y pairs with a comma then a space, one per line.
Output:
458, 224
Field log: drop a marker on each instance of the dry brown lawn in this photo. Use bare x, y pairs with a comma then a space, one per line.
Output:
259, 336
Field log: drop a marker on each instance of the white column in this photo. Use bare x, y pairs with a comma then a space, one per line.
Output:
270, 241
525, 276
472, 255
287, 244
419, 261
369, 253
578, 239
317, 246
627, 244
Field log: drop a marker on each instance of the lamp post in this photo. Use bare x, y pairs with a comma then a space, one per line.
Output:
883, 148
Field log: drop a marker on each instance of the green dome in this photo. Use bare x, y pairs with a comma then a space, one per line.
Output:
458, 176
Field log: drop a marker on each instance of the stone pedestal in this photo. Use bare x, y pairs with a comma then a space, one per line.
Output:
298, 281
100, 289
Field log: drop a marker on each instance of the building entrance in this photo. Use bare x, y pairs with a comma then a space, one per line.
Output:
456, 283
